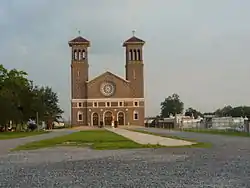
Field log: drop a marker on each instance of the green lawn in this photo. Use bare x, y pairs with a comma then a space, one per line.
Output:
219, 132
11, 135
198, 144
95, 139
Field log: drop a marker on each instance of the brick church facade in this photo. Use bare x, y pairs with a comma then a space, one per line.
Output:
108, 97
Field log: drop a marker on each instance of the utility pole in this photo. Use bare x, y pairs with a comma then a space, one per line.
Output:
37, 118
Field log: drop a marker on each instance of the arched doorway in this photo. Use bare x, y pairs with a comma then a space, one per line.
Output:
95, 119
121, 118
108, 116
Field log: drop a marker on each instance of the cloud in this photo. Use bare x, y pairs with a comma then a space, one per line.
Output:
197, 49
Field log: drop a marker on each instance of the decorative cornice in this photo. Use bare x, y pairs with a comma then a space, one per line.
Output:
110, 107
108, 99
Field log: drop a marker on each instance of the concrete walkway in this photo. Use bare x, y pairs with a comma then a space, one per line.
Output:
142, 138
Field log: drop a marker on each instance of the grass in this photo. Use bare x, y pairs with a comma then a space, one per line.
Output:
218, 132
196, 145
11, 135
95, 139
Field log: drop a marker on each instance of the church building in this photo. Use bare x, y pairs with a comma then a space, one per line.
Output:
108, 97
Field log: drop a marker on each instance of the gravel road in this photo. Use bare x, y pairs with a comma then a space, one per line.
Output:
227, 164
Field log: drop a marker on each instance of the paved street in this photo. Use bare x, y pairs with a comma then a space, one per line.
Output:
227, 164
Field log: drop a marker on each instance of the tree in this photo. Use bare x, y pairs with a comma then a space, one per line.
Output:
192, 112
46, 105
14, 87
4, 99
20, 100
171, 105
240, 111
226, 111
208, 113
49, 99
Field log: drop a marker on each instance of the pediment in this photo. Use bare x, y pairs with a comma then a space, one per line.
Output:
107, 76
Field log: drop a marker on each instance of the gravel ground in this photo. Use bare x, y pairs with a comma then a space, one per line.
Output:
227, 164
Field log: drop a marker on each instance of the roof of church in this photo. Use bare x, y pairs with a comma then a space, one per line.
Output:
132, 40
79, 40
108, 72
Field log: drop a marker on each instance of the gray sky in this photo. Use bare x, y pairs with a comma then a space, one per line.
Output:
196, 48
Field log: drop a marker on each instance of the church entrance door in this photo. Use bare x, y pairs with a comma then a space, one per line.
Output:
108, 116
121, 118
95, 119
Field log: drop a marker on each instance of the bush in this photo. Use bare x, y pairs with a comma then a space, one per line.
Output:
2, 129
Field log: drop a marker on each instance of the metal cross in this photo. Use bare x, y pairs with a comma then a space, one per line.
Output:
79, 32
133, 32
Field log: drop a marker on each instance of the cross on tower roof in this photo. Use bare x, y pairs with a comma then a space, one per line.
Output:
133, 40
79, 40
133, 33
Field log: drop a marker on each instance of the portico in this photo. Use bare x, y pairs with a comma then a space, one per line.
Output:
106, 117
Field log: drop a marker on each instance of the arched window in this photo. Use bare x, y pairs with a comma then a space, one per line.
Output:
139, 55
130, 55
135, 55
75, 55
136, 115
83, 54
79, 116
79, 55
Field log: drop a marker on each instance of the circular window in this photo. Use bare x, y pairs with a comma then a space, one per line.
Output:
107, 89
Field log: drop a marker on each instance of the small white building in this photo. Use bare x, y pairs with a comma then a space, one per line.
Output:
230, 122
183, 121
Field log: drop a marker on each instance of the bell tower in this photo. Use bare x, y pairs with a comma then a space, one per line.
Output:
79, 75
134, 65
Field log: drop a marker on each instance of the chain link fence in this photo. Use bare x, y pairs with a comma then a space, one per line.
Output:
207, 124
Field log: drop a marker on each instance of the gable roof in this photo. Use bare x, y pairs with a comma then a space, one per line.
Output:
110, 73
79, 40
134, 40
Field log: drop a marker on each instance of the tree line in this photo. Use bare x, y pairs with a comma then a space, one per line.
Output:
173, 105
22, 100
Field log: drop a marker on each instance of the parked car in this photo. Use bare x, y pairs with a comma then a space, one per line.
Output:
240, 128
31, 125
58, 124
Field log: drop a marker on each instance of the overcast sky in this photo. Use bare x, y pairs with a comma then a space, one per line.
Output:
196, 48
